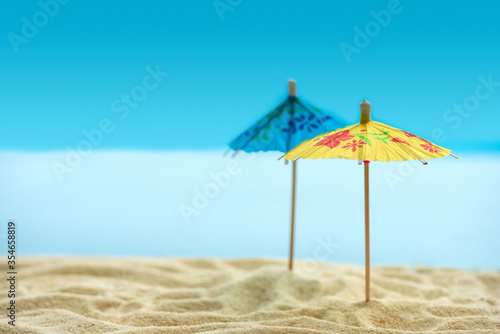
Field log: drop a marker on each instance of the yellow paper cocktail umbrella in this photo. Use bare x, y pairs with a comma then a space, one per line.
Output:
368, 141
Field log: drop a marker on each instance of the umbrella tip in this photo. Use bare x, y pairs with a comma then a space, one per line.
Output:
292, 88
365, 105
366, 108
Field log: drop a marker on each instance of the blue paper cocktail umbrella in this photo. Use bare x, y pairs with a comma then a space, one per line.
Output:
282, 129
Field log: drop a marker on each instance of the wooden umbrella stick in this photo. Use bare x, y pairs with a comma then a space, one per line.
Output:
292, 88
294, 174
367, 231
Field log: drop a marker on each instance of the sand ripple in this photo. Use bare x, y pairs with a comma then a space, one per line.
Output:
86, 295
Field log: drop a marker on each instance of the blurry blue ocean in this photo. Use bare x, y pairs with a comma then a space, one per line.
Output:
200, 204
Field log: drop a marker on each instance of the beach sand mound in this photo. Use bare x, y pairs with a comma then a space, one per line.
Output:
95, 295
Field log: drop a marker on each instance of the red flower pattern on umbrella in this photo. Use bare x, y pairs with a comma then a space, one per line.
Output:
355, 144
334, 140
398, 140
408, 134
429, 147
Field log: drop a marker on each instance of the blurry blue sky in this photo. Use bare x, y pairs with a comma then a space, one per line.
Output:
228, 68
100, 68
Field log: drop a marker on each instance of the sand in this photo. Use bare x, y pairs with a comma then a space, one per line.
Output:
95, 295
